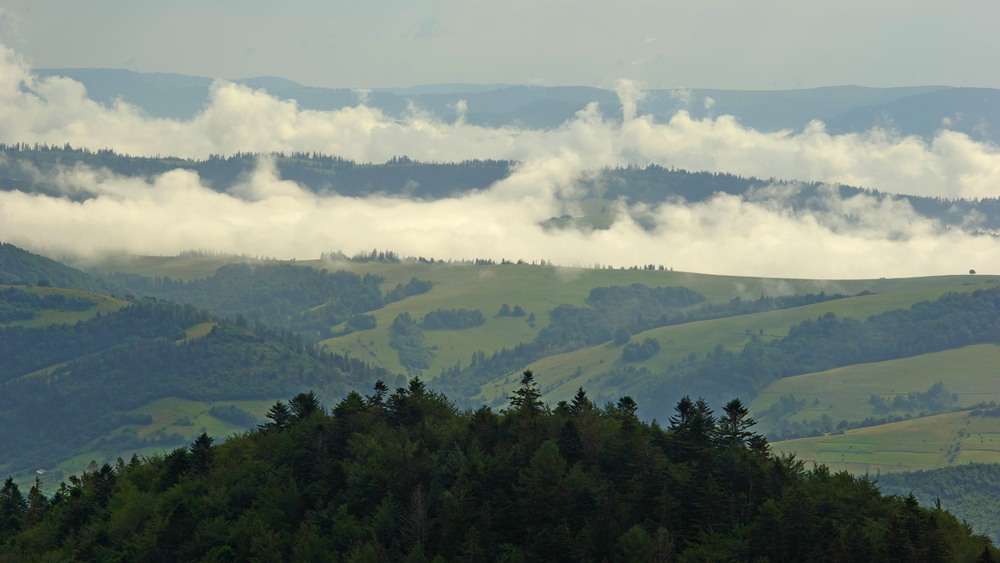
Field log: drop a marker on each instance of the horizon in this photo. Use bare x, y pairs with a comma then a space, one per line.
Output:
720, 44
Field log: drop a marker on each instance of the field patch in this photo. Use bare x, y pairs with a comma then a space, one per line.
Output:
971, 373
103, 304
921, 443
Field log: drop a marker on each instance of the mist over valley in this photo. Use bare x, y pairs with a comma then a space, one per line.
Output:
433, 283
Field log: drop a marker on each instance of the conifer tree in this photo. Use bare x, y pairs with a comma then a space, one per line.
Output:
13, 507
280, 415
527, 399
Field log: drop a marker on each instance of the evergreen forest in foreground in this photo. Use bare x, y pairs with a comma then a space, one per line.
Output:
408, 477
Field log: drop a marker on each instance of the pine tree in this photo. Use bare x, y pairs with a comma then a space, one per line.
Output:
732, 428
303, 405
280, 415
13, 507
527, 399
201, 453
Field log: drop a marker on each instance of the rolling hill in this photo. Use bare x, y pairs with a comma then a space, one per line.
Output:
809, 354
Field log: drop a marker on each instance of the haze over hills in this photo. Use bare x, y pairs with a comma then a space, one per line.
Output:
921, 111
546, 298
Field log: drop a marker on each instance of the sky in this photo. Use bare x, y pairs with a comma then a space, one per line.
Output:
266, 215
728, 44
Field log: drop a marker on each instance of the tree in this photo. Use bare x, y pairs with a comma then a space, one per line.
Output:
280, 415
527, 399
304, 404
201, 453
377, 399
693, 426
13, 507
732, 427
581, 403
622, 336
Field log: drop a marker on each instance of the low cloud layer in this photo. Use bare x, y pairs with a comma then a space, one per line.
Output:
265, 215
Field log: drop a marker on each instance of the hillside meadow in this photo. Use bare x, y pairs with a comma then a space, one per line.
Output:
971, 374
841, 394
927, 442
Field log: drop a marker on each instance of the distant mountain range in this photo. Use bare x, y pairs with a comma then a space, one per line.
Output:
918, 110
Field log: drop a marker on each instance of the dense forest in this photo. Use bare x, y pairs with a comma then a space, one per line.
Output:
969, 491
408, 477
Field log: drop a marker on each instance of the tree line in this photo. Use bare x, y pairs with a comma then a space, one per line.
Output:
407, 476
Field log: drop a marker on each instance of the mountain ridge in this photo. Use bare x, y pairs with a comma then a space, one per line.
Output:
848, 108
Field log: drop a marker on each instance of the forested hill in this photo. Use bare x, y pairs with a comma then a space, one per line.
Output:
407, 477
20, 267
31, 169
64, 386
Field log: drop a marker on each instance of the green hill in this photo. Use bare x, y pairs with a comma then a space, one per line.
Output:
883, 390
810, 354
928, 442
408, 477
20, 267
85, 389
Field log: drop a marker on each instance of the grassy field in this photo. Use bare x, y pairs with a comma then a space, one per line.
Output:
560, 376
842, 394
538, 289
972, 373
920, 443
171, 416
104, 304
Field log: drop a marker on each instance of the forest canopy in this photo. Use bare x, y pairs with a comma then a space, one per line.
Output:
407, 476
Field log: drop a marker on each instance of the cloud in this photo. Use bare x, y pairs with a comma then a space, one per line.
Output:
268, 216
265, 215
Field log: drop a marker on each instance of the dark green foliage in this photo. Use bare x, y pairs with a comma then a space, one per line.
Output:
407, 339
452, 319
13, 508
280, 416
506, 311
968, 491
636, 352
20, 267
233, 415
65, 385
411, 478
304, 405
412, 287
527, 399
304, 300
952, 321
18, 304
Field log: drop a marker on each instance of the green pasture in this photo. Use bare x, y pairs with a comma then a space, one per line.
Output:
197, 331
104, 304
538, 289
921, 443
972, 373
170, 416
560, 376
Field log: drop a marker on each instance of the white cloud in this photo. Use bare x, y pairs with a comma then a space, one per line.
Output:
264, 215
